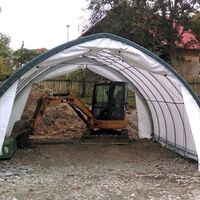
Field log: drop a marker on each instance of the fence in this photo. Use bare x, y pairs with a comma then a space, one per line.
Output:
84, 87
195, 85
80, 88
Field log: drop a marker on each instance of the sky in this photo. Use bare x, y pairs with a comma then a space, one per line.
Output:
42, 23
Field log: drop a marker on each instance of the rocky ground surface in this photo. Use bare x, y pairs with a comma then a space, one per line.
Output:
140, 170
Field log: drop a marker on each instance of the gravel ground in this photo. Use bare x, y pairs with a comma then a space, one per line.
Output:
139, 170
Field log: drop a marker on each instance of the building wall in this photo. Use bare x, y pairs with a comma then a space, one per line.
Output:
188, 63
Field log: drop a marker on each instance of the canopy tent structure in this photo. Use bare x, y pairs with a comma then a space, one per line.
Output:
168, 110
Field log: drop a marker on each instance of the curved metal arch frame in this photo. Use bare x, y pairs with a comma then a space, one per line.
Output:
130, 78
184, 129
173, 101
165, 123
141, 88
107, 60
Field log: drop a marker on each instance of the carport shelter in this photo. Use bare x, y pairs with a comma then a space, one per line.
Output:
167, 108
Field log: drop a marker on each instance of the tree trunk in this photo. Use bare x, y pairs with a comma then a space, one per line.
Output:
173, 56
83, 87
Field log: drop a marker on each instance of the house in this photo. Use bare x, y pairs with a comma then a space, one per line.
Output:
188, 56
187, 52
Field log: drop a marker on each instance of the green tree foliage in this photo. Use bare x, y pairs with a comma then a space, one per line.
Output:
23, 55
5, 50
125, 20
10, 59
5, 56
173, 17
5, 71
196, 24
151, 23
82, 74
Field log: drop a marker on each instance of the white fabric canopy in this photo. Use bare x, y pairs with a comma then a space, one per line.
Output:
167, 109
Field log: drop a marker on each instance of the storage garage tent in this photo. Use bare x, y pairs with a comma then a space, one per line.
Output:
168, 110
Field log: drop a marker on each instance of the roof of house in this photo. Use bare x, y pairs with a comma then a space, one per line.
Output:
188, 40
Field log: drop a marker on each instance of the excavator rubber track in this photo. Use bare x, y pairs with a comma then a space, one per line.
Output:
106, 137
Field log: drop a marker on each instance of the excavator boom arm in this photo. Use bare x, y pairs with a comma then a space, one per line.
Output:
72, 100
57, 98
80, 108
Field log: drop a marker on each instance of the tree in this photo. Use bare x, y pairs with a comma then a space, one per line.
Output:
10, 60
125, 20
196, 24
5, 56
155, 24
23, 55
5, 50
173, 18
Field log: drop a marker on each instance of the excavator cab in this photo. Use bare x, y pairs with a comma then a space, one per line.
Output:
109, 100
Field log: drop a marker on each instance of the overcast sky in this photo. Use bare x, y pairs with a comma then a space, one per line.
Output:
42, 23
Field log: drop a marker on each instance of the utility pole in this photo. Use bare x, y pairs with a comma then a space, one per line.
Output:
68, 26
0, 17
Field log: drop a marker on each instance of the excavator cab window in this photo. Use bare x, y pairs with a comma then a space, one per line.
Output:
109, 100
100, 101
117, 102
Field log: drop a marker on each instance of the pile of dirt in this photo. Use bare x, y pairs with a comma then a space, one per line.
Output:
132, 118
61, 121
36, 91
57, 121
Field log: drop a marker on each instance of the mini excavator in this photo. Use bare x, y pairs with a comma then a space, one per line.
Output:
105, 119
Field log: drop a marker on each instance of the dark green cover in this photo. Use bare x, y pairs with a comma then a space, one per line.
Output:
9, 148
